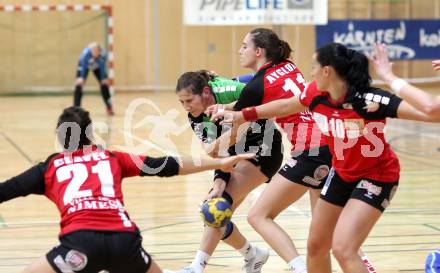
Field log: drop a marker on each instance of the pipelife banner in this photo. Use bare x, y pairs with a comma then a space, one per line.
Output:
253, 12
405, 39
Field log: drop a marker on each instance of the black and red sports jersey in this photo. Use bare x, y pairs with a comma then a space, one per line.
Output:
354, 135
281, 81
86, 186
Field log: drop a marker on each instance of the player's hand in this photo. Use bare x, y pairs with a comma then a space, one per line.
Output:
79, 81
214, 151
228, 117
214, 109
372, 106
105, 81
228, 163
216, 191
382, 65
436, 65
211, 150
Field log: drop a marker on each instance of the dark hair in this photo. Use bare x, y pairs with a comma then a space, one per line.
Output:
277, 50
74, 127
351, 66
195, 81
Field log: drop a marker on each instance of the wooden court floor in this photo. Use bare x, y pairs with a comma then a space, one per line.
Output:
166, 209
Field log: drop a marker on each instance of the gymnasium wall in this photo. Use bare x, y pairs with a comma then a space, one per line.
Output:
152, 47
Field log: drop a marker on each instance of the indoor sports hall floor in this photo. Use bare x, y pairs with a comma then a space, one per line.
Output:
166, 209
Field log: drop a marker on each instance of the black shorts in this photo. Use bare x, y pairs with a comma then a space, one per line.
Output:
89, 251
96, 72
310, 168
378, 194
269, 154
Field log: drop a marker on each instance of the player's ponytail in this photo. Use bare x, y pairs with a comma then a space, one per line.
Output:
358, 76
193, 81
349, 64
285, 50
277, 50
74, 128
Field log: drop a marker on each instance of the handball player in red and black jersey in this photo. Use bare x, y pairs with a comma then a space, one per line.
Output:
277, 77
351, 115
84, 182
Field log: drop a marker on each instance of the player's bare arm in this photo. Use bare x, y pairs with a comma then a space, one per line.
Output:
416, 97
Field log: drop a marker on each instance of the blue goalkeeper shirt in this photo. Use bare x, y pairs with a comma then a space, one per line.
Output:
87, 62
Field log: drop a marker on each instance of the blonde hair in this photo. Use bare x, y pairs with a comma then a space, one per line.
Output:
94, 44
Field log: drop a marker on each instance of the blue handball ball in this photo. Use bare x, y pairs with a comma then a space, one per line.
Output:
216, 212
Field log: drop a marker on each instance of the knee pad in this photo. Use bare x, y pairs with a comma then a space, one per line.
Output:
228, 230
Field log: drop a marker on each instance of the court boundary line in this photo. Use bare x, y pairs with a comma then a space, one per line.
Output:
17, 148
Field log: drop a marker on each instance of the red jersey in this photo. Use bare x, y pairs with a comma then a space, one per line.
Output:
86, 186
282, 81
355, 136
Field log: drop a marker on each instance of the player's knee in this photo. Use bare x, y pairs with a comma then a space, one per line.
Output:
316, 247
343, 252
254, 217
228, 231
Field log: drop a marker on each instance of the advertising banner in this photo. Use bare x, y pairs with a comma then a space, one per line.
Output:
405, 39
253, 12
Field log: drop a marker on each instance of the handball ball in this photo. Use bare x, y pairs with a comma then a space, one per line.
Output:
216, 212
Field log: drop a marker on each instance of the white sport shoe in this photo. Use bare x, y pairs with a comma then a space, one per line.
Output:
254, 264
186, 269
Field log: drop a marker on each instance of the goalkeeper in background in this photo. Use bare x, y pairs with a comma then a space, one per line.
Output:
93, 58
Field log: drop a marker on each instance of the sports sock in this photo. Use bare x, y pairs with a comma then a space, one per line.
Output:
368, 264
298, 265
200, 261
248, 250
77, 95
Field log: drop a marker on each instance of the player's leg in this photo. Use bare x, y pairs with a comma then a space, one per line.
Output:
277, 196
314, 197
368, 200
301, 172
325, 216
334, 195
80, 80
40, 266
154, 268
105, 89
354, 224
366, 261
245, 177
